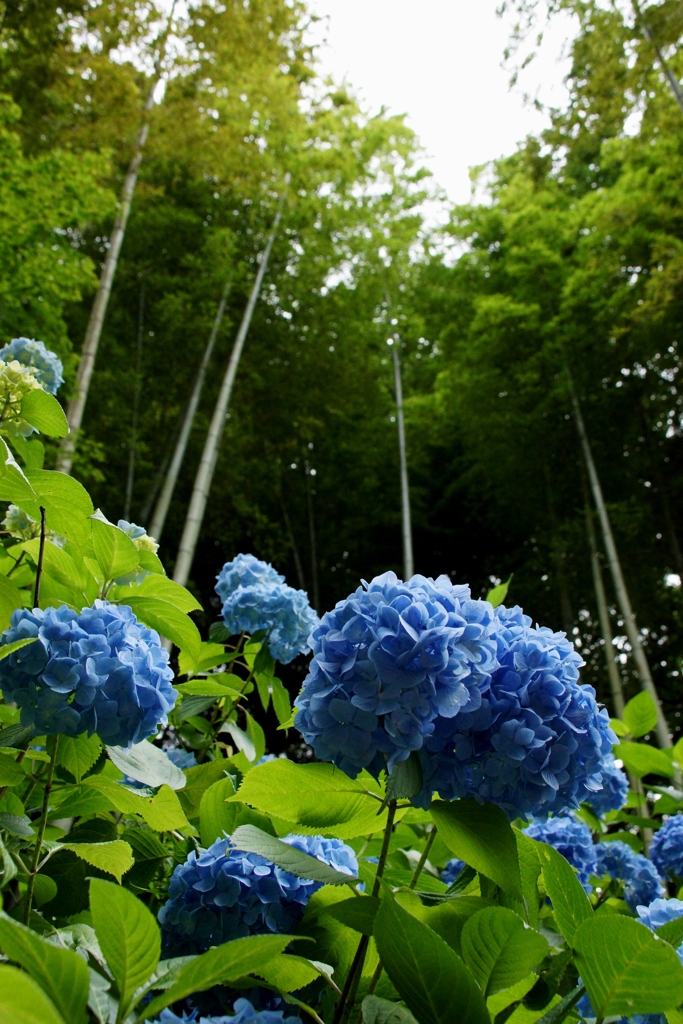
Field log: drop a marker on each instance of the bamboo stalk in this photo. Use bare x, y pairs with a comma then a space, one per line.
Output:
623, 599
76, 406
406, 526
207, 465
136, 408
664, 64
161, 510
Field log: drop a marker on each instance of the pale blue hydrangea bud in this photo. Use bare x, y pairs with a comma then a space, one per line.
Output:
16, 381
47, 365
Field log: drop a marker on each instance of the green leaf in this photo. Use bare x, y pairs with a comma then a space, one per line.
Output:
8, 649
256, 736
303, 865
241, 739
381, 1011
640, 714
481, 835
61, 974
215, 815
198, 781
163, 589
192, 706
45, 890
115, 857
530, 869
78, 755
114, 550
672, 932
316, 797
428, 974
618, 727
499, 949
281, 702
497, 595
405, 779
16, 825
44, 412
220, 966
31, 452
626, 968
162, 812
11, 773
642, 759
165, 617
67, 504
22, 1002
147, 764
14, 484
10, 599
571, 906
210, 655
128, 935
210, 687
358, 913
288, 973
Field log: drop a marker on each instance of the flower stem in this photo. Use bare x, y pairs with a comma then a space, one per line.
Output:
423, 859
41, 552
356, 970
52, 741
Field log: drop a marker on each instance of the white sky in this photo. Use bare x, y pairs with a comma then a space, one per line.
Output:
439, 61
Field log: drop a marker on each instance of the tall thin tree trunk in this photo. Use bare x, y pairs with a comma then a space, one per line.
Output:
406, 527
292, 543
136, 407
207, 465
558, 557
161, 511
76, 406
669, 524
312, 541
671, 78
623, 600
613, 674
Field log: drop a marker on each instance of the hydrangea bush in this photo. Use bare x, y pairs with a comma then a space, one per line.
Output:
146, 831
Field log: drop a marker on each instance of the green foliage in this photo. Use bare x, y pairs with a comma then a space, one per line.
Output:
482, 837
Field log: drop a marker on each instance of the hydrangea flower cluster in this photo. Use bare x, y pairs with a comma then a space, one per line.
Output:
387, 663
256, 597
139, 536
20, 526
222, 893
572, 839
452, 870
492, 704
244, 1013
48, 367
99, 671
612, 796
642, 884
16, 381
666, 851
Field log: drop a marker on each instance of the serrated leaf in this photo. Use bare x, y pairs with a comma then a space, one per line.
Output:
640, 714
162, 812
44, 412
210, 687
672, 932
163, 589
480, 835
626, 968
61, 974
11, 773
358, 913
115, 858
220, 966
288, 973
618, 727
571, 906
241, 739
67, 504
22, 1001
281, 702
78, 755
499, 949
11, 598
32, 452
16, 825
254, 840
166, 618
642, 759
405, 779
148, 764
256, 736
5, 652
429, 975
210, 655
128, 936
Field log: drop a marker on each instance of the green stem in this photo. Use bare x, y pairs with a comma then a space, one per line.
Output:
356, 970
423, 859
52, 741
41, 552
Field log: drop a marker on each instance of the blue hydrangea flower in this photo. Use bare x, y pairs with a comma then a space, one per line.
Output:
642, 884
139, 536
182, 759
388, 662
244, 1013
222, 893
99, 671
537, 743
572, 839
32, 353
452, 870
666, 850
256, 597
612, 796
